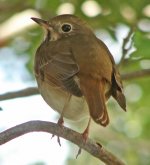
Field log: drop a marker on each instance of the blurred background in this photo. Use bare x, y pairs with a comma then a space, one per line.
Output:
124, 26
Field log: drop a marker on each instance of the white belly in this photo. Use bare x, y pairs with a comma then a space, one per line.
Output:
76, 109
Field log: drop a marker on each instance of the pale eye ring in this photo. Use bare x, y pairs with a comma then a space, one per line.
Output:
66, 27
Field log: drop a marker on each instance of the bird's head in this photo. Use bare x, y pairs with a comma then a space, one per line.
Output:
63, 26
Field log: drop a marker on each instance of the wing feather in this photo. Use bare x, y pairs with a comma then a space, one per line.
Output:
59, 69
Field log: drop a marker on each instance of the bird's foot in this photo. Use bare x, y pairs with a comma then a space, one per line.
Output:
60, 123
79, 152
85, 135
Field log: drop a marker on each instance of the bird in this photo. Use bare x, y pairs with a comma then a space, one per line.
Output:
75, 71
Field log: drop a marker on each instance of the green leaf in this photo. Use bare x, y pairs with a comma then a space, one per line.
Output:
142, 45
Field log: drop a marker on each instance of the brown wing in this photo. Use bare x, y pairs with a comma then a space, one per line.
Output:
116, 81
58, 69
95, 75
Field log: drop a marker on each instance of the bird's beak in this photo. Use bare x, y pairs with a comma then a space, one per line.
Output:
41, 22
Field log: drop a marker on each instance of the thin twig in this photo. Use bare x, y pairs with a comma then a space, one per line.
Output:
90, 146
124, 44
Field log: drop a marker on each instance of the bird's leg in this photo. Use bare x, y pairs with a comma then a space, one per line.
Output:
85, 136
61, 120
86, 131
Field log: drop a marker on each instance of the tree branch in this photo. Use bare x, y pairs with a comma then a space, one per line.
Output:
136, 74
90, 146
33, 90
21, 93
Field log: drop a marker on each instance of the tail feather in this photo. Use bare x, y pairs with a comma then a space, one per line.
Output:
93, 91
120, 98
117, 90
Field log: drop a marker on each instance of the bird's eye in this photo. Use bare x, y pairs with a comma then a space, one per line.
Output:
66, 28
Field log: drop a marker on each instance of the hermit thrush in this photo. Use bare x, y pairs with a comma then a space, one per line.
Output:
75, 71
